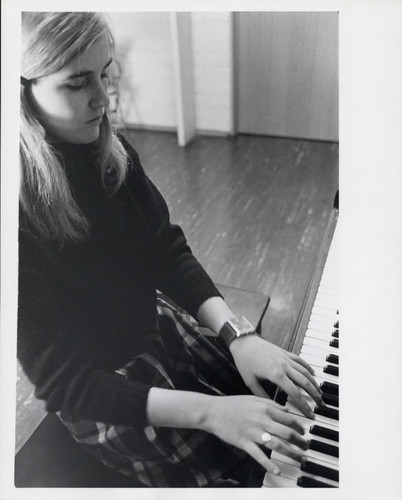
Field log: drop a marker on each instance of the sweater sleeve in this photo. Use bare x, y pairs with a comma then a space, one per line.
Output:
57, 360
180, 275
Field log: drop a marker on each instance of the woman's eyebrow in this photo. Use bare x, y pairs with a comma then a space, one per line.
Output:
86, 73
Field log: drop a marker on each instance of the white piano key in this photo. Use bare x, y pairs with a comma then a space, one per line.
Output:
320, 376
325, 377
307, 423
328, 321
312, 404
330, 305
322, 324
321, 344
280, 481
320, 334
322, 311
314, 351
316, 455
293, 472
310, 401
315, 329
328, 299
318, 418
285, 481
285, 459
315, 361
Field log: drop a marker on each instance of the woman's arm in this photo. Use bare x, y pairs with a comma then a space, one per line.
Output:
178, 273
213, 313
257, 359
238, 420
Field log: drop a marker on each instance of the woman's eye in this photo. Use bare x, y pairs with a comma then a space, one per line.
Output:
84, 82
78, 84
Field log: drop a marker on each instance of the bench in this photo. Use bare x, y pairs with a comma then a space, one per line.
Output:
51, 458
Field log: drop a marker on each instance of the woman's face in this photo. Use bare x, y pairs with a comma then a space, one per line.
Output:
71, 102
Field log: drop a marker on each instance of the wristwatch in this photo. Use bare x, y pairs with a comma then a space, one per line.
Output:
234, 328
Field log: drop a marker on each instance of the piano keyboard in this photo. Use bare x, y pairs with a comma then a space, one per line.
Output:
320, 348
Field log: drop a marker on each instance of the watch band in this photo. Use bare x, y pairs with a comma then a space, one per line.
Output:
234, 328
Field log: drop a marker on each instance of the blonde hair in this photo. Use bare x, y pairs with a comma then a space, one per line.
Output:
50, 40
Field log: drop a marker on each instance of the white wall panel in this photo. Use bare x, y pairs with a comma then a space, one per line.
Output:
213, 67
143, 42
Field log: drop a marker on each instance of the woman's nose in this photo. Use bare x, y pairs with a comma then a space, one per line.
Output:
100, 99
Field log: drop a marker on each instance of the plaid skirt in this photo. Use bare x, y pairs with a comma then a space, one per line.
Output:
177, 356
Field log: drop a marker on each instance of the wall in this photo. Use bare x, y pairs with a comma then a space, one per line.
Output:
143, 42
147, 87
148, 53
213, 68
288, 74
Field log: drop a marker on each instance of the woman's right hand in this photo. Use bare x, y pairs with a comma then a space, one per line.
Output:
242, 420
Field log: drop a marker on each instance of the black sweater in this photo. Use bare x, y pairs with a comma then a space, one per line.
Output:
85, 309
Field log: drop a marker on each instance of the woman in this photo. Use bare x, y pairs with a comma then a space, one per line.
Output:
130, 375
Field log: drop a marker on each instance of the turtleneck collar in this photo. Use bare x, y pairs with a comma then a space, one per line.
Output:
77, 155
69, 149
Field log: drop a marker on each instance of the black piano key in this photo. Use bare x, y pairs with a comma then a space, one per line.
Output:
320, 470
334, 343
281, 398
319, 430
327, 412
333, 358
335, 334
332, 370
327, 449
330, 399
269, 387
309, 482
336, 324
330, 388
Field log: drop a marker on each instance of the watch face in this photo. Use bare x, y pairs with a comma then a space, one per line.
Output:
241, 325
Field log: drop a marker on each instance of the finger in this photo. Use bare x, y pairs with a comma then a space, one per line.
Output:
288, 434
298, 399
259, 456
285, 449
281, 416
305, 383
308, 375
301, 362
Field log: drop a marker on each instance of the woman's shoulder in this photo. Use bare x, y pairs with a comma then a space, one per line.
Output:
33, 248
133, 156
135, 172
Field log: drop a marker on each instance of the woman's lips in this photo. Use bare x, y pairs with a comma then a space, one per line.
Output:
95, 121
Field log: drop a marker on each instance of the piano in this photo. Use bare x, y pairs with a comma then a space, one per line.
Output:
316, 339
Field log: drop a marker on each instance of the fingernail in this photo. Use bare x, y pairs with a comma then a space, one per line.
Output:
277, 472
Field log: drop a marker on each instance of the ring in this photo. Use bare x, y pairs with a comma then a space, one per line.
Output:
266, 437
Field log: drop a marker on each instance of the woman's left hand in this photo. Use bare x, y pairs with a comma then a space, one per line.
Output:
257, 359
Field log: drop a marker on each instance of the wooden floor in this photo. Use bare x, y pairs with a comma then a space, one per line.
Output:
253, 209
